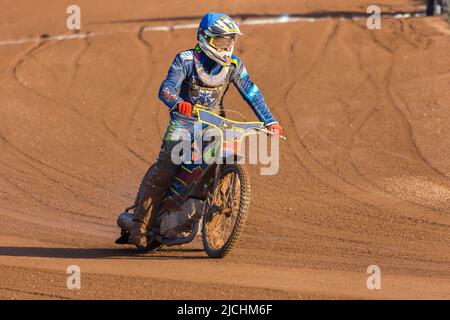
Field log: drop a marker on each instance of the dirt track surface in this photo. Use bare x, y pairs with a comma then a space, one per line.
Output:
364, 177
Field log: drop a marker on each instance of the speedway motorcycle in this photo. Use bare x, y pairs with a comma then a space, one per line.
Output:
207, 197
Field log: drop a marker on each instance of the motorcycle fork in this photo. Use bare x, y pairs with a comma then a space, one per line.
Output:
217, 176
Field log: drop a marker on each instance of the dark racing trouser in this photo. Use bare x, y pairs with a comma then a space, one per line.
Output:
154, 186
158, 178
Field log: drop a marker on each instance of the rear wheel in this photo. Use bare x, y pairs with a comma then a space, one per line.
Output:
226, 211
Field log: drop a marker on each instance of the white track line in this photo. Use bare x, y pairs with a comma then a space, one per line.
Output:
258, 21
49, 38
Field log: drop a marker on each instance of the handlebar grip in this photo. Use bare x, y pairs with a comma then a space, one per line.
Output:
271, 133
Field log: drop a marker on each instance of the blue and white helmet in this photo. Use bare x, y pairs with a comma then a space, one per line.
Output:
217, 35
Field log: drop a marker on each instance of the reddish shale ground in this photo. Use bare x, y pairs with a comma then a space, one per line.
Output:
364, 177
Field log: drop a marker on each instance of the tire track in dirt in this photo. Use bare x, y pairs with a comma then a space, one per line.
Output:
100, 116
334, 183
148, 49
73, 111
33, 293
373, 200
50, 179
30, 195
357, 57
377, 88
25, 155
66, 186
401, 116
317, 57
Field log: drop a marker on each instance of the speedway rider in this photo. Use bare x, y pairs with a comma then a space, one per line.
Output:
196, 76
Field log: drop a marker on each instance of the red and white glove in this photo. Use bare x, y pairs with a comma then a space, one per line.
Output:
276, 129
184, 108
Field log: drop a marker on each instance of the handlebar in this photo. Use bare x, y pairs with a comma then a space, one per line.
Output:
194, 117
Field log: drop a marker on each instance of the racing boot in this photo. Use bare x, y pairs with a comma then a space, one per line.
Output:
138, 235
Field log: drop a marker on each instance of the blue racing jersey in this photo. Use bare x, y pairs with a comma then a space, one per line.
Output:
183, 83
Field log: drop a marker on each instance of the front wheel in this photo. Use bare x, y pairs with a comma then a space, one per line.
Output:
226, 211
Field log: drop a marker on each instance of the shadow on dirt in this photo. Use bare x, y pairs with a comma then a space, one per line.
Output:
100, 253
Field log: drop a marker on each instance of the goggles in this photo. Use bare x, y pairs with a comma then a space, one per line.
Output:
225, 43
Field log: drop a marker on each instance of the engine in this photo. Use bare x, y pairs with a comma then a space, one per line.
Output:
175, 224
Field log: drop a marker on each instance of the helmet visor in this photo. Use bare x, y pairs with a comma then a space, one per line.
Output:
225, 43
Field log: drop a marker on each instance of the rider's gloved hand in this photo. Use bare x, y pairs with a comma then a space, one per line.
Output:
276, 129
184, 108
